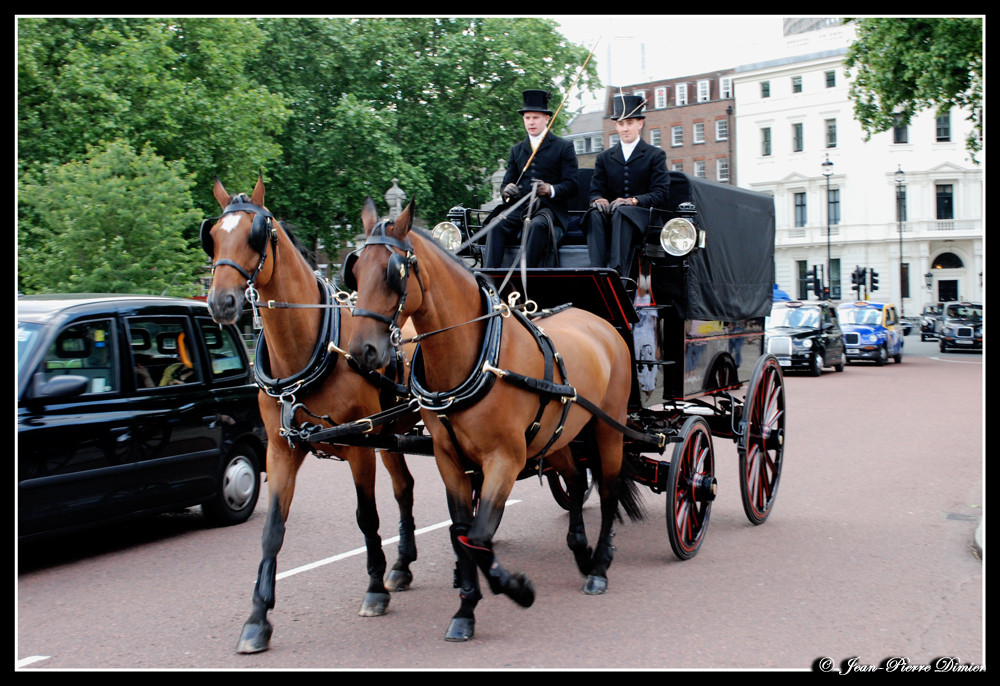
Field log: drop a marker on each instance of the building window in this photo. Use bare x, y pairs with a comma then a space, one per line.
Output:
800, 209
721, 130
699, 168
677, 166
833, 206
660, 97
613, 140
905, 285
899, 131
944, 127
725, 87
681, 94
598, 142
765, 89
676, 136
699, 133
797, 138
831, 79
654, 138
765, 142
722, 169
835, 278
801, 266
831, 133
580, 146
641, 94
945, 202
704, 90
796, 84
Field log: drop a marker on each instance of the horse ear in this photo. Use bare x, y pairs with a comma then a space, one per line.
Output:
221, 196
404, 221
258, 192
369, 214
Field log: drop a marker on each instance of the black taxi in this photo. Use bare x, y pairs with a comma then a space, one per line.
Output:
130, 405
805, 336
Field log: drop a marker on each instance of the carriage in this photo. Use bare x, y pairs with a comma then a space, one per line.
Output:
686, 322
706, 271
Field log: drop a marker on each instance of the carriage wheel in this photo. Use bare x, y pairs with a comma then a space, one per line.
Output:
691, 488
560, 490
762, 437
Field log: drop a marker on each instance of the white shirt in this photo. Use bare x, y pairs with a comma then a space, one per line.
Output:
627, 148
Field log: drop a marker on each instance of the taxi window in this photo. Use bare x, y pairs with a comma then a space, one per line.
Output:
163, 352
223, 349
86, 349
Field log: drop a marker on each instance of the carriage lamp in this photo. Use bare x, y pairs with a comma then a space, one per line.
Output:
447, 235
678, 237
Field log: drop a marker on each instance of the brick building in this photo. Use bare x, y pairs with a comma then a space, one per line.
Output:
690, 118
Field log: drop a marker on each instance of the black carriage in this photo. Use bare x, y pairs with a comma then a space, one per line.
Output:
697, 340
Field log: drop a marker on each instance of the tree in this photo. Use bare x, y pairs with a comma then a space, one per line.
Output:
177, 84
113, 223
430, 101
905, 65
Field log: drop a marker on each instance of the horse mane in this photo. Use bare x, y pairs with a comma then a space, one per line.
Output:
306, 253
425, 234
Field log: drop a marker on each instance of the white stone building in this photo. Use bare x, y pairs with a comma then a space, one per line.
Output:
792, 114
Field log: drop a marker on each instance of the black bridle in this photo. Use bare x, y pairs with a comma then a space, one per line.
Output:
397, 275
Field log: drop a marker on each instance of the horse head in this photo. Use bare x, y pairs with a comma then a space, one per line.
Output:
237, 242
380, 272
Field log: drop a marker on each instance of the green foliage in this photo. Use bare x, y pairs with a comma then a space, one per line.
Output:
113, 223
431, 102
905, 65
330, 110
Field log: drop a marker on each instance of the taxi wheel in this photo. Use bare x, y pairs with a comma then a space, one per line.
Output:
239, 486
883, 356
839, 367
816, 369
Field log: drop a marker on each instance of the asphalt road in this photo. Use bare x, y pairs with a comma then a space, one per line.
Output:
869, 555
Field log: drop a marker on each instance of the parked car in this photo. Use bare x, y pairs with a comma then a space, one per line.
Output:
805, 336
871, 332
929, 320
961, 327
130, 405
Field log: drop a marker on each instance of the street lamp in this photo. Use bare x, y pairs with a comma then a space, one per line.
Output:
900, 209
828, 172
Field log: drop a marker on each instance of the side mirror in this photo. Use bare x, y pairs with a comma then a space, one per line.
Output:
58, 387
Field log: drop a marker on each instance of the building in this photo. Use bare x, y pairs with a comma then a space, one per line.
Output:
690, 117
906, 204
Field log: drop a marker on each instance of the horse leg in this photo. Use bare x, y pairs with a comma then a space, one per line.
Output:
282, 466
576, 486
400, 575
497, 484
376, 599
609, 445
463, 624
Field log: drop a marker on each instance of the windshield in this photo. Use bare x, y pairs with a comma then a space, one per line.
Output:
965, 311
860, 315
27, 339
794, 317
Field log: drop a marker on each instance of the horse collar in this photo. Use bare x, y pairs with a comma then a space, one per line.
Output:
480, 380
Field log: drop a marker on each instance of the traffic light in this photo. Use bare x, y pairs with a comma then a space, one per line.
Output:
858, 279
873, 285
813, 284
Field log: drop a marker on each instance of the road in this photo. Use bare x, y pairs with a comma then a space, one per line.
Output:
868, 554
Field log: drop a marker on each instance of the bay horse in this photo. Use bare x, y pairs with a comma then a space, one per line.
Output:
302, 383
483, 374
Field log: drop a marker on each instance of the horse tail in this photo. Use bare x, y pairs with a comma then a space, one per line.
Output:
628, 492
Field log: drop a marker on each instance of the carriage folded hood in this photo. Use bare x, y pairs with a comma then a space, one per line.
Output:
723, 283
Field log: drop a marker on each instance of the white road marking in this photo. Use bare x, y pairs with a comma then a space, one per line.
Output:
362, 551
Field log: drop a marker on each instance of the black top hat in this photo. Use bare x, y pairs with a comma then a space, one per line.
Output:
536, 101
628, 107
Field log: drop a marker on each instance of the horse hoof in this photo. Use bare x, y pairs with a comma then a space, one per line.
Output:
255, 638
595, 585
461, 629
374, 605
521, 590
398, 580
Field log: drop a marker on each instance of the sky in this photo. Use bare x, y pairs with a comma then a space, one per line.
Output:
673, 44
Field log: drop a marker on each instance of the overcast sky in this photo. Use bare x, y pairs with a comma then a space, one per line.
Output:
673, 44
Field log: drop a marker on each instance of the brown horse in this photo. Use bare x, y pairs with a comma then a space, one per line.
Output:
301, 382
471, 375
